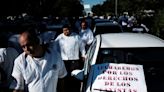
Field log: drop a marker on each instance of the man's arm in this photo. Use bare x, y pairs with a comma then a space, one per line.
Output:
18, 81
82, 47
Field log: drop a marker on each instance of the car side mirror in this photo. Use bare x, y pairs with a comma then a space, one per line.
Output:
78, 74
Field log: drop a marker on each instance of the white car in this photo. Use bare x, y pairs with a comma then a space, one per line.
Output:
126, 48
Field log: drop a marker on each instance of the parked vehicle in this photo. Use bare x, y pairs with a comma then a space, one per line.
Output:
126, 48
107, 27
102, 20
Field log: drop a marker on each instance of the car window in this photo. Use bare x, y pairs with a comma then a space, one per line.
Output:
107, 29
90, 54
150, 58
131, 55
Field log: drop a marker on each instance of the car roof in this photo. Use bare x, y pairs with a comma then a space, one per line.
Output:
129, 40
107, 24
108, 27
102, 20
54, 27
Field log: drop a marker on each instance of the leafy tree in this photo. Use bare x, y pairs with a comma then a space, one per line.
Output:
68, 8
41, 7
97, 9
128, 5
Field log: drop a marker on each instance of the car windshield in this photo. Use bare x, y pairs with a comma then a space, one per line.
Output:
150, 58
131, 55
108, 29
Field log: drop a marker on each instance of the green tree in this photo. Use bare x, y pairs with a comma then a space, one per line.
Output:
128, 5
68, 8
97, 9
41, 7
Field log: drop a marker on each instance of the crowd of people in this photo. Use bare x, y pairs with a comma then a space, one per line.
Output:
38, 63
44, 66
132, 23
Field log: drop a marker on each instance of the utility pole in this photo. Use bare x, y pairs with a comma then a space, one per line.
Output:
116, 2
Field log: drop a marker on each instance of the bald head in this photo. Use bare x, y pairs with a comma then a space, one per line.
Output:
29, 42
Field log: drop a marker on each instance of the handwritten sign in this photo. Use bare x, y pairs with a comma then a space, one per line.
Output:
113, 77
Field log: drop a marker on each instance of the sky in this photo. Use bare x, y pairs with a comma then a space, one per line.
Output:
93, 2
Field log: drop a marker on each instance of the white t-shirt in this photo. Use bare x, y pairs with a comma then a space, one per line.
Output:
2, 53
41, 74
86, 36
70, 46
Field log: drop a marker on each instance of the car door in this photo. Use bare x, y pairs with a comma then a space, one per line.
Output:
88, 62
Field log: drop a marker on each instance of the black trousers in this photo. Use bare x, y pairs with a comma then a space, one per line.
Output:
71, 84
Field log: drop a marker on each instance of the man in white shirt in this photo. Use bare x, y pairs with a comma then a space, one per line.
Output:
69, 44
38, 66
139, 27
86, 34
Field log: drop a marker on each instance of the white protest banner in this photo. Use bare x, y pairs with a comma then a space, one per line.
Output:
111, 77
